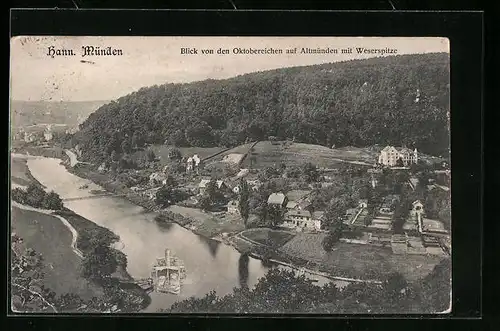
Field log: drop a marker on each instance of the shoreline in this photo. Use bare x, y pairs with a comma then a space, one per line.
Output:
261, 253
122, 275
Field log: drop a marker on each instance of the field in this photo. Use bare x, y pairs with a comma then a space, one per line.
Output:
48, 236
267, 154
162, 151
358, 261
268, 237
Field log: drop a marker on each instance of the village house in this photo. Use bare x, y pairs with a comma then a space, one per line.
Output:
277, 199
417, 208
301, 220
220, 184
233, 207
193, 163
363, 203
389, 156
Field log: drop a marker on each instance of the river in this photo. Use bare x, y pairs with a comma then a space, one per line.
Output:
210, 265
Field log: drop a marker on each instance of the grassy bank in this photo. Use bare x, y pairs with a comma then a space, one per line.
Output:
48, 236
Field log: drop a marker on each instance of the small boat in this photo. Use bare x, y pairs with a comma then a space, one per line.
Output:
168, 274
83, 187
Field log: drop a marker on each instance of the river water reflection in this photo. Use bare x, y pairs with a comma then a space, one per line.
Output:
210, 265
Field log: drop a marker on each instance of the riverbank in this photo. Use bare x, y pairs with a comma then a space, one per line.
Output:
41, 228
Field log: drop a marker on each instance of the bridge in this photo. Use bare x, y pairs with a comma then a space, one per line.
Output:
96, 196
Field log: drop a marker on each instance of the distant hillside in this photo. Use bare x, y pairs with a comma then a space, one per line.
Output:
400, 100
25, 113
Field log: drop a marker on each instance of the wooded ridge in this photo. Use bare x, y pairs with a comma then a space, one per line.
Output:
394, 100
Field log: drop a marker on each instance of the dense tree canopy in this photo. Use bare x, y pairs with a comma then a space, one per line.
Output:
361, 102
281, 291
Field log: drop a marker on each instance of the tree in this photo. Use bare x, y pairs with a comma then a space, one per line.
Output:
99, 264
253, 160
400, 215
18, 195
52, 201
205, 202
150, 155
310, 172
35, 195
399, 163
244, 200
174, 154
335, 212
275, 215
331, 239
164, 195
114, 156
126, 146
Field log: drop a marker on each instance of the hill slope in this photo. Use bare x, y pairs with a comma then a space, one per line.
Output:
392, 100
26, 113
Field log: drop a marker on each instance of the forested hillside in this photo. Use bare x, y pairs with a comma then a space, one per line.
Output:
400, 100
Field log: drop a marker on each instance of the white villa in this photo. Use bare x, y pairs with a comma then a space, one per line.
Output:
301, 220
192, 163
389, 156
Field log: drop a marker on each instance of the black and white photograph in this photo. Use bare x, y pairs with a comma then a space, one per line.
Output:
230, 175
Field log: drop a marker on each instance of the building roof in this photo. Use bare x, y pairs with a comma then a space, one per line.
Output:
416, 202
276, 199
242, 173
204, 182
291, 204
405, 150
363, 200
297, 194
317, 215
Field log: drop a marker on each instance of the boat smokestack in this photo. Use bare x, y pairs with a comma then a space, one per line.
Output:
167, 257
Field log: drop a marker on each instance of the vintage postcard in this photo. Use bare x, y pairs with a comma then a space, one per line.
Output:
240, 175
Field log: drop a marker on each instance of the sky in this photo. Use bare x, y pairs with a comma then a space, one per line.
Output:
148, 61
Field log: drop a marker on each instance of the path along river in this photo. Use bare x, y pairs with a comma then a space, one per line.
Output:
210, 265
